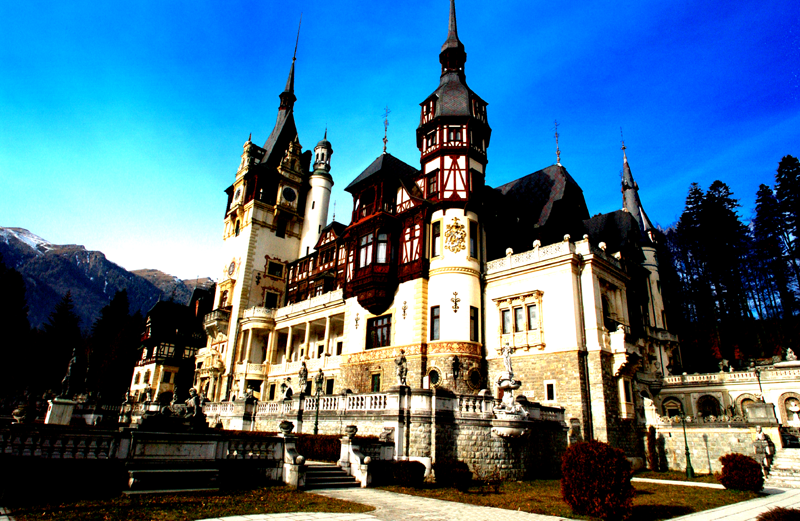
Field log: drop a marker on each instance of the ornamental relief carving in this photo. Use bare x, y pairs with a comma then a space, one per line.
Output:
455, 236
534, 297
454, 269
458, 348
387, 353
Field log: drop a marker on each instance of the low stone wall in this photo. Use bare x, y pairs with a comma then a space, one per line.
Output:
707, 443
425, 425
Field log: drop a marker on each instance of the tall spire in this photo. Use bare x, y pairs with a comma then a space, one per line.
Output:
287, 96
452, 57
630, 198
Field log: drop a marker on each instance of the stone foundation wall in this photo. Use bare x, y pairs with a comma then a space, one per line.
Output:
706, 445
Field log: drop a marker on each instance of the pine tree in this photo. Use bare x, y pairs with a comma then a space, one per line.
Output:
61, 338
112, 349
17, 335
787, 191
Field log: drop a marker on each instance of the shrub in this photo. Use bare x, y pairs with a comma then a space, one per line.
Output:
740, 472
652, 454
596, 480
382, 472
452, 474
408, 473
780, 514
320, 447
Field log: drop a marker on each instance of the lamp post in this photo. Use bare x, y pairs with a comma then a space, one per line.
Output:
318, 380
758, 377
689, 469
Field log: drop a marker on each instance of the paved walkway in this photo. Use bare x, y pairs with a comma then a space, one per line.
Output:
400, 507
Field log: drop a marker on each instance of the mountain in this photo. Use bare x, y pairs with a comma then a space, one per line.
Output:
51, 270
173, 288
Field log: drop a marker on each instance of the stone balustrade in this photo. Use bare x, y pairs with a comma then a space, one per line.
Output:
258, 312
530, 257
735, 376
331, 298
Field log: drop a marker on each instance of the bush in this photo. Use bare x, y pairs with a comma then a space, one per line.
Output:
320, 447
453, 474
382, 472
740, 472
780, 514
596, 480
408, 473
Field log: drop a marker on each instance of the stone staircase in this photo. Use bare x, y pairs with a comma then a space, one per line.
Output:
785, 470
328, 475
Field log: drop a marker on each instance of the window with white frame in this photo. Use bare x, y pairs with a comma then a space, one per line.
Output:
521, 320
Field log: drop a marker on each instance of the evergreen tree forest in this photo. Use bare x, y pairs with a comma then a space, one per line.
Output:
733, 285
103, 360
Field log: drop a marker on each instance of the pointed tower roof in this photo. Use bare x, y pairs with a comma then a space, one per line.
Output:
285, 130
453, 55
630, 199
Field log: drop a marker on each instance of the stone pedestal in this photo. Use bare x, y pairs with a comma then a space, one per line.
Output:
761, 412
59, 411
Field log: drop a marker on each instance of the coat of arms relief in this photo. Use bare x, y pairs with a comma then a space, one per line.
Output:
455, 236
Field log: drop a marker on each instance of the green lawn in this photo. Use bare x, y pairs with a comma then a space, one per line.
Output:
190, 506
652, 501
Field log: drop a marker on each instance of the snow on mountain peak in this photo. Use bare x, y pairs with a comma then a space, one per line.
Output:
35, 242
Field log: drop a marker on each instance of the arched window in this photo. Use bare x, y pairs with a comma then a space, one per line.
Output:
707, 405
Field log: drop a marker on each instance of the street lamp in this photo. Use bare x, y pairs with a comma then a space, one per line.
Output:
758, 377
318, 380
689, 469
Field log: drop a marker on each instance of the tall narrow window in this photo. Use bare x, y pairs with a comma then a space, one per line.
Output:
365, 251
550, 391
236, 232
506, 321
436, 239
435, 323
280, 228
433, 184
533, 316
473, 324
271, 300
376, 383
473, 239
378, 331
383, 248
519, 320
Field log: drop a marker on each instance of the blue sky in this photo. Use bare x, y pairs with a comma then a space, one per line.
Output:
122, 124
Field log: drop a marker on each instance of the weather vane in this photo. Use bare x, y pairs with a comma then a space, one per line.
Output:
334, 211
558, 151
294, 56
386, 113
623, 139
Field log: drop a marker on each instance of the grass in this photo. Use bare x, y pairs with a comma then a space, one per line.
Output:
652, 501
190, 506
674, 475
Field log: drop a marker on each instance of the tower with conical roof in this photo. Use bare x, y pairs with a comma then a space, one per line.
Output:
452, 138
275, 210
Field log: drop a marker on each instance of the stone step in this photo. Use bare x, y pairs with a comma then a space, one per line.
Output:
328, 476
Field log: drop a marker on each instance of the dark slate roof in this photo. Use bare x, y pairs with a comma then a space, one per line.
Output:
617, 229
385, 164
337, 228
538, 192
631, 201
278, 141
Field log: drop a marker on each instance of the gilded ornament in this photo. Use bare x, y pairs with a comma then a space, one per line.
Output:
455, 236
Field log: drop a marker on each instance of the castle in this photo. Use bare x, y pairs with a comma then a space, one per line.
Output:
436, 266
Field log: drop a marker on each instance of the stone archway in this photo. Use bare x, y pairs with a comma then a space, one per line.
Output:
743, 400
708, 405
789, 409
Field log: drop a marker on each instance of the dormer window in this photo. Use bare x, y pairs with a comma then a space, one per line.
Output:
365, 203
433, 184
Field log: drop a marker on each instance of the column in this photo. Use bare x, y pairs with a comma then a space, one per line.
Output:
271, 344
327, 348
288, 350
305, 340
249, 346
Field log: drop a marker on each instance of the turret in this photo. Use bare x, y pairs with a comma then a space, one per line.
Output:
319, 196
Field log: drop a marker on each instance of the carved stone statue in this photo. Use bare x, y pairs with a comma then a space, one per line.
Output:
66, 389
319, 379
506, 352
148, 394
790, 356
763, 449
303, 376
286, 389
175, 397
194, 406
402, 368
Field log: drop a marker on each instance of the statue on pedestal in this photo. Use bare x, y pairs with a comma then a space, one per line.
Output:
303, 377
402, 368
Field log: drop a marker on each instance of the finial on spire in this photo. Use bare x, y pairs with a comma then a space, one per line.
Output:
558, 150
624, 155
326, 132
385, 127
452, 56
287, 96
250, 138
334, 211
294, 56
